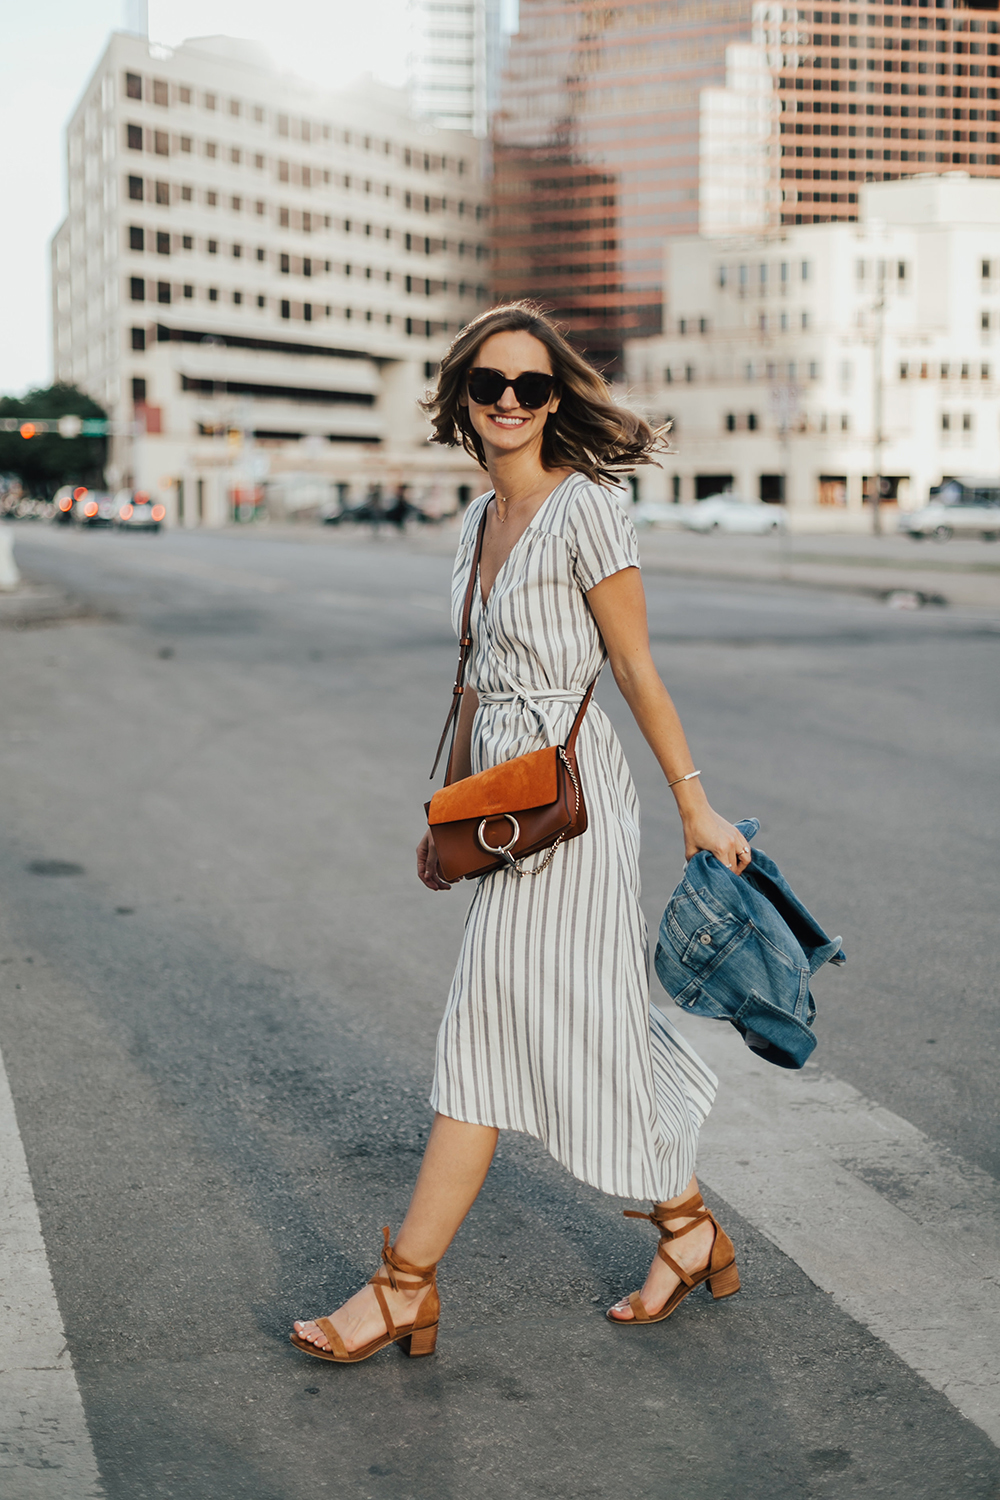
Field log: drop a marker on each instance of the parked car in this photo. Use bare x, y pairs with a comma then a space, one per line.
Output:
733, 514
136, 511
659, 513
959, 507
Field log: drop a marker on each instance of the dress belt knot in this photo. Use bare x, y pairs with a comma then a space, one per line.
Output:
530, 707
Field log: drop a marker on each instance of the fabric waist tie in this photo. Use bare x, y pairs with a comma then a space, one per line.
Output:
529, 705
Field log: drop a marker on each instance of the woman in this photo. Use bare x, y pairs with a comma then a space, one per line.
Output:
548, 1027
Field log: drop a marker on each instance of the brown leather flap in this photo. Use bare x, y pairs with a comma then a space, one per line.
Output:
515, 785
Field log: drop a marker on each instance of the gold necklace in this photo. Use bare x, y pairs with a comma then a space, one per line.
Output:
497, 500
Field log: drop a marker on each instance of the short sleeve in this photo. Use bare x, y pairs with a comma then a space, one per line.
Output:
601, 536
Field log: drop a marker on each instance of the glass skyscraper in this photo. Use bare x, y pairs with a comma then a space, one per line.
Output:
596, 155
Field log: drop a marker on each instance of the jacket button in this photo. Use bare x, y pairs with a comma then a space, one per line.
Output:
704, 937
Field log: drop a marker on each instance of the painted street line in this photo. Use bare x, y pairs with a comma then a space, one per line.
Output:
903, 1234
45, 1448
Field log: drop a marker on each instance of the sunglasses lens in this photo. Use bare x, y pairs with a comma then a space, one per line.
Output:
533, 388
486, 386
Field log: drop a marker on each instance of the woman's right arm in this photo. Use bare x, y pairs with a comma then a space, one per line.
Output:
427, 863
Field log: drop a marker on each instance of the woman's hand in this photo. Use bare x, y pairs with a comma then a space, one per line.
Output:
427, 864
704, 829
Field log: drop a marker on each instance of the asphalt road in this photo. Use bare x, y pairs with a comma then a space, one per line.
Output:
219, 1031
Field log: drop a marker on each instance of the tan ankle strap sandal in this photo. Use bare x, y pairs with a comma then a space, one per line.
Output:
721, 1274
417, 1339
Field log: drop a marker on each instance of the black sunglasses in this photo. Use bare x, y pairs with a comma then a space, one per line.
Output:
532, 389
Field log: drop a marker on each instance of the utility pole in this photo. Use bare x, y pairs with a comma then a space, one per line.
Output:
879, 311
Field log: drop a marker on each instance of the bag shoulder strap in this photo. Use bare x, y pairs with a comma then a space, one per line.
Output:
464, 650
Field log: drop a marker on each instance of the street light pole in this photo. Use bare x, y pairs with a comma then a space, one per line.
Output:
879, 310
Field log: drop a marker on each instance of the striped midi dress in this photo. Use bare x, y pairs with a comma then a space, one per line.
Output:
548, 1027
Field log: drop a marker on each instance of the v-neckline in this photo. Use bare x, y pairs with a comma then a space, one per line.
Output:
485, 602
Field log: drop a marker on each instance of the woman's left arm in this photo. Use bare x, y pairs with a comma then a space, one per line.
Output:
618, 605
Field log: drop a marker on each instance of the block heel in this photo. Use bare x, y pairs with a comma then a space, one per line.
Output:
721, 1274
420, 1341
420, 1338
724, 1283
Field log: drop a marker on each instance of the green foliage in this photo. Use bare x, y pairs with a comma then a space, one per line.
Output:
46, 461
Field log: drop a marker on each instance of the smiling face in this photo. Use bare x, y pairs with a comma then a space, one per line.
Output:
505, 426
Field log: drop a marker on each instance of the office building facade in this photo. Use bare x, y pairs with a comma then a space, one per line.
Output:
257, 279
782, 349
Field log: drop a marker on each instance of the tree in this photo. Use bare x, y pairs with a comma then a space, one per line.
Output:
45, 461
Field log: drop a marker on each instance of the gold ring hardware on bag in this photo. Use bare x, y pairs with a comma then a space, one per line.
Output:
502, 849
539, 793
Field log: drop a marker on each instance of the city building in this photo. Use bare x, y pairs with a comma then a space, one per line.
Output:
596, 155
257, 279
804, 365
882, 90
459, 48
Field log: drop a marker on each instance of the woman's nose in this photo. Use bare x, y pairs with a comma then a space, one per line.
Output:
508, 401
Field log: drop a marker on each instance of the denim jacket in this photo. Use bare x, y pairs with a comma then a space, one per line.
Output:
743, 948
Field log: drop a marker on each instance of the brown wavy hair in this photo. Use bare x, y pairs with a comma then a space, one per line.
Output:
590, 432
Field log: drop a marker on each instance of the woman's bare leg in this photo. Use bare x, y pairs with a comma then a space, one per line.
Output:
692, 1252
456, 1160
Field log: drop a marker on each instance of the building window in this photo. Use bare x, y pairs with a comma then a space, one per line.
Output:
286, 309
213, 294
258, 162
813, 370
138, 390
161, 143
967, 422
234, 106
138, 339
689, 374
186, 144
806, 270
134, 136
188, 292
236, 204
133, 86
984, 321
162, 243
984, 372
682, 326
184, 94
163, 194
237, 252
163, 291
210, 149
237, 299
804, 321
187, 241
261, 301
730, 422
845, 423
965, 372
137, 289
136, 238
209, 101
307, 311
945, 370
260, 253
751, 421
285, 265
283, 218
135, 189
945, 422
904, 371
702, 325
212, 247
186, 195
987, 270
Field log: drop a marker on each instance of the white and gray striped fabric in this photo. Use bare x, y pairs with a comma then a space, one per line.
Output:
549, 1027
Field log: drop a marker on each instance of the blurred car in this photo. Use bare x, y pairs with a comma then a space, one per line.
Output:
92, 508
732, 514
659, 513
959, 507
138, 512
64, 501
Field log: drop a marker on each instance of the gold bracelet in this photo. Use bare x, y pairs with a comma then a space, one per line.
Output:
689, 777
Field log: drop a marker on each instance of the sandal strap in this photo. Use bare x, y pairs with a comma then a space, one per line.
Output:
332, 1337
423, 1275
693, 1208
677, 1270
376, 1283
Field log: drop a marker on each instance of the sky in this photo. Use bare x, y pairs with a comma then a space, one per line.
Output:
48, 50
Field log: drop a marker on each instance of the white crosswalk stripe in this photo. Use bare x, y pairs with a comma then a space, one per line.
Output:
45, 1448
904, 1235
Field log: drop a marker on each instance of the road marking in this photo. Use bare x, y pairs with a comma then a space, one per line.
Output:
45, 1448
903, 1234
